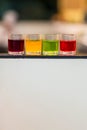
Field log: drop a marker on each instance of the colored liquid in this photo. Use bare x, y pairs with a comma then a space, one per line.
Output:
33, 47
67, 45
50, 47
15, 46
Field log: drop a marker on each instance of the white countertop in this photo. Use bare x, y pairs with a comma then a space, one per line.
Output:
43, 94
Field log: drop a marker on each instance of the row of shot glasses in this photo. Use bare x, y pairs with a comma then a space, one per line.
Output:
47, 44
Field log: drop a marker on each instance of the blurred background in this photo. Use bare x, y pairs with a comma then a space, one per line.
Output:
44, 16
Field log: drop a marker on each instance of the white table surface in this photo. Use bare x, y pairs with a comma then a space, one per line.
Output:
43, 94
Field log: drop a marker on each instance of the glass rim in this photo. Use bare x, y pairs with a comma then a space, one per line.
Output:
33, 37
51, 36
16, 36
66, 36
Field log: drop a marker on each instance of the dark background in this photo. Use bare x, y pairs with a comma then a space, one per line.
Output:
30, 9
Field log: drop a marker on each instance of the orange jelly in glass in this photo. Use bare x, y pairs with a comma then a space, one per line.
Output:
33, 44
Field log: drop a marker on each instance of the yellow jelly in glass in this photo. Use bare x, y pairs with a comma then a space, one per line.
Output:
33, 44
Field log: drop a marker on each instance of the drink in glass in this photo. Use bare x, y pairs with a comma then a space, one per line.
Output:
16, 44
33, 44
50, 44
68, 44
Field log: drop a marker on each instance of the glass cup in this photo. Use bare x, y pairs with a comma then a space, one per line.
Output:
16, 44
50, 44
33, 44
68, 44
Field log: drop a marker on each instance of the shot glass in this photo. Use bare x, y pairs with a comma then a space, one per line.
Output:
68, 44
50, 44
33, 44
16, 44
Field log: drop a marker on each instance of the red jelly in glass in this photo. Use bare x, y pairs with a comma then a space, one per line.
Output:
68, 44
16, 46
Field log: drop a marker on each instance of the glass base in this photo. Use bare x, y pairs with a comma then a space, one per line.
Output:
33, 53
16, 53
68, 53
50, 53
